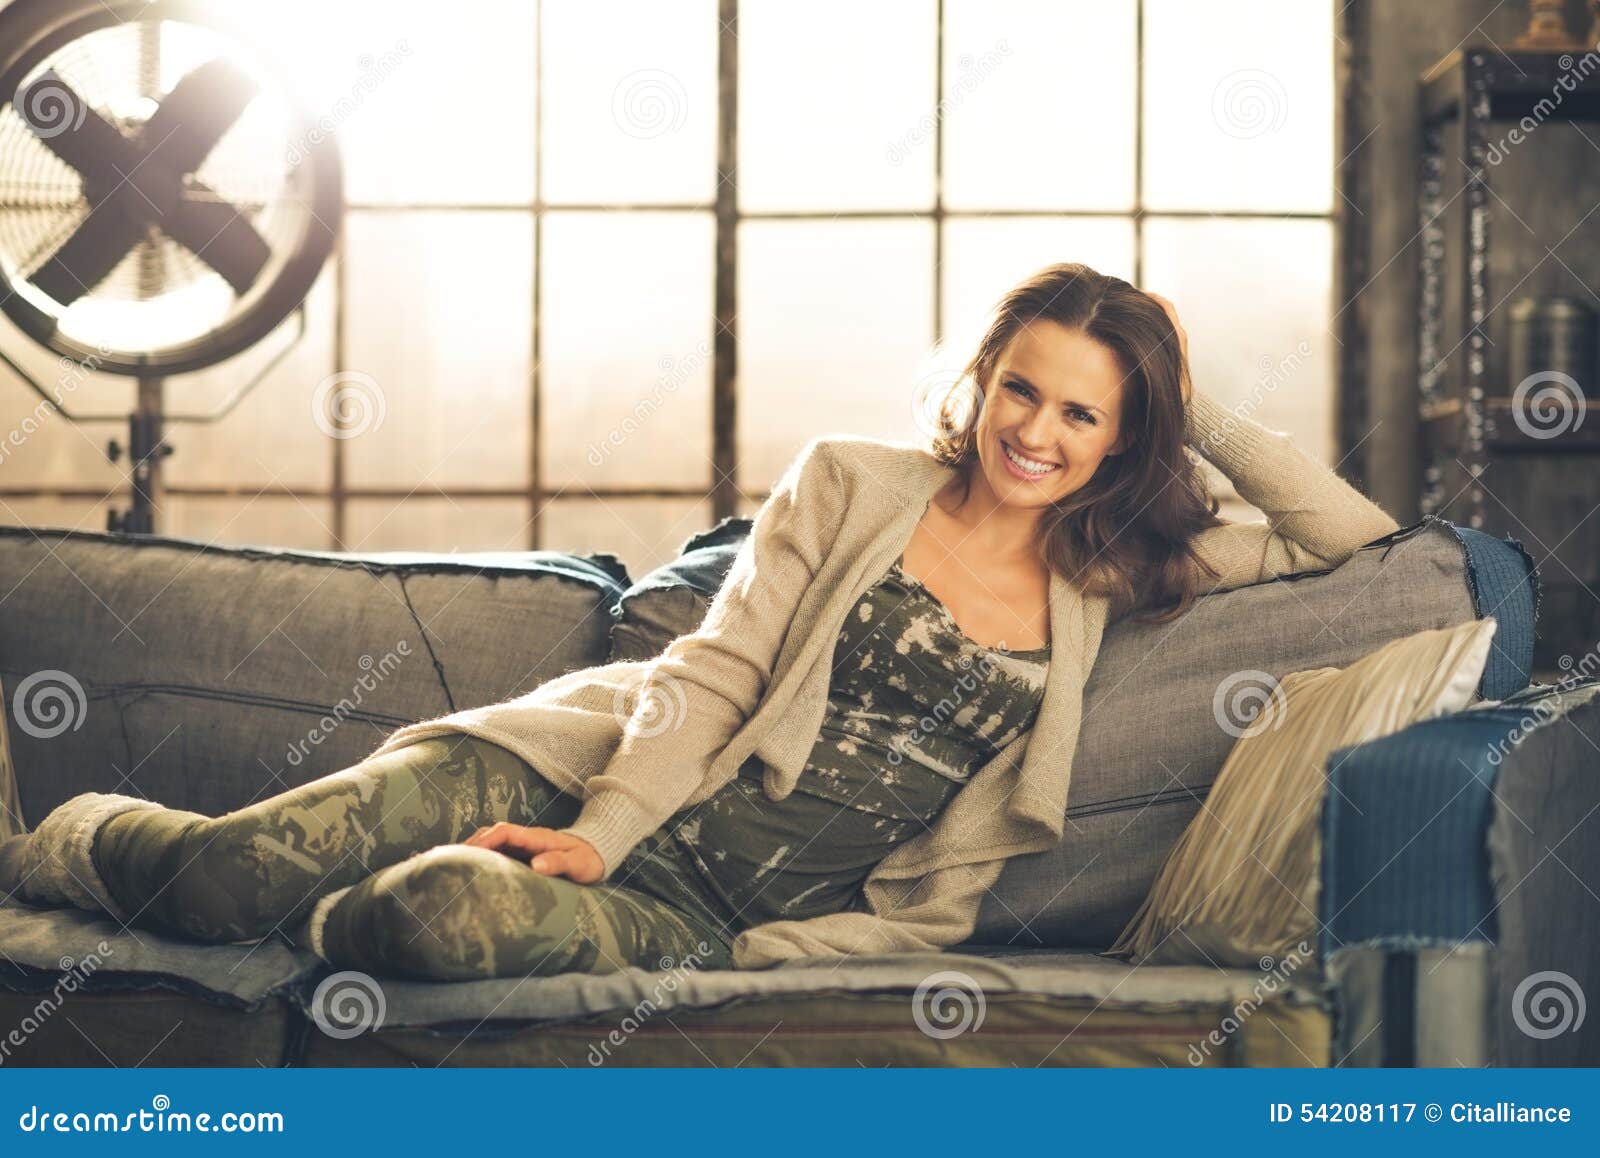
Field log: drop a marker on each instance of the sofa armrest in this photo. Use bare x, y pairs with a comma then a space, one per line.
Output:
1460, 858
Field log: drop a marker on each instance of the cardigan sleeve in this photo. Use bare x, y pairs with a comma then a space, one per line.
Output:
926, 913
1314, 518
705, 684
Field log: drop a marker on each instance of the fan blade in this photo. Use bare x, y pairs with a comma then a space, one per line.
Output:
219, 235
197, 112
76, 133
85, 259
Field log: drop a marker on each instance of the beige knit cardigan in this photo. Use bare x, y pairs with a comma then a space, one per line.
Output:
639, 739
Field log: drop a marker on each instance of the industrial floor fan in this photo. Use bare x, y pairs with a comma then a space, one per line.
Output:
166, 200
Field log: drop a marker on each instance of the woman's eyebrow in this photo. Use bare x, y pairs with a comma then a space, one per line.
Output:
1069, 402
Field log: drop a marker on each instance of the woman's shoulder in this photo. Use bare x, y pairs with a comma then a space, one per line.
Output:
901, 466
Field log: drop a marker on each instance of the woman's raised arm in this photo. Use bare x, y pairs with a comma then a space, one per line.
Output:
1314, 518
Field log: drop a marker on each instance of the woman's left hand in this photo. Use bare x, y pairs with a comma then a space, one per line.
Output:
548, 851
1187, 384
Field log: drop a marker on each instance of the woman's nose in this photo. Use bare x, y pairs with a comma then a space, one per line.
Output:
1036, 432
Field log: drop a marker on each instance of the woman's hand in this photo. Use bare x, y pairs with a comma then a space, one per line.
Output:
1183, 345
547, 850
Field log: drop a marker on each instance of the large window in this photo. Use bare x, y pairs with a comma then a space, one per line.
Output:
608, 264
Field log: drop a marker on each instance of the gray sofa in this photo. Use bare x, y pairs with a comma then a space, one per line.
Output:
208, 677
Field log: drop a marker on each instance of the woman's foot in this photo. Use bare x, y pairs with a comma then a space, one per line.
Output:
53, 865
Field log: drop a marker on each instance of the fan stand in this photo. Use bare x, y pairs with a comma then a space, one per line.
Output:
145, 451
147, 445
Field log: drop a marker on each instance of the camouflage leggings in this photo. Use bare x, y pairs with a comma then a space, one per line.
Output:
417, 904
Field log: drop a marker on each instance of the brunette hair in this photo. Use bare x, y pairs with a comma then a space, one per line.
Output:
1125, 533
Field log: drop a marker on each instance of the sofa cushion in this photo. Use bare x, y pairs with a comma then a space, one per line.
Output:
987, 1006
1135, 787
93, 954
207, 677
1241, 883
672, 600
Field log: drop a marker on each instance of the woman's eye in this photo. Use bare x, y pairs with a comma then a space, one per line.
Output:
1018, 389
1084, 415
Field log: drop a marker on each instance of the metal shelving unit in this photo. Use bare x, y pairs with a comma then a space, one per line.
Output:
1462, 424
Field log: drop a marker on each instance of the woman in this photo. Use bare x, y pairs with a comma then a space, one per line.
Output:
879, 708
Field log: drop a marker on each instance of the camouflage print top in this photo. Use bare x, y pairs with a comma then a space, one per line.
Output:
914, 709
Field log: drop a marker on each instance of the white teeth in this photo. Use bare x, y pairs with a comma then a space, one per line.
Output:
1028, 464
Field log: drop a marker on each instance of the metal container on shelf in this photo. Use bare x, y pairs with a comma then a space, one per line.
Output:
1554, 335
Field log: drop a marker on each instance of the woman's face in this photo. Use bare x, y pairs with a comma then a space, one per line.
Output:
1055, 400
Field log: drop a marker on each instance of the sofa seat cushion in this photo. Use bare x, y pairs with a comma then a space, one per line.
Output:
988, 1006
93, 953
78, 990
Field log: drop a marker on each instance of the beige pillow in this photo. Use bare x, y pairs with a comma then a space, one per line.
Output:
1241, 883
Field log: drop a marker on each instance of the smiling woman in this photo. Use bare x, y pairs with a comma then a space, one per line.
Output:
1077, 442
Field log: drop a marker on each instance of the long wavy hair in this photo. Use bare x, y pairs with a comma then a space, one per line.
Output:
1126, 532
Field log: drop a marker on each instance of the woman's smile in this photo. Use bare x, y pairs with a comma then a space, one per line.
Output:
1020, 464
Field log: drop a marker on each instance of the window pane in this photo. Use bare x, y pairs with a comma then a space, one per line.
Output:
834, 323
833, 96
430, 102
1039, 104
435, 381
985, 257
38, 447
626, 349
436, 524
1255, 298
643, 533
1239, 105
249, 520
631, 101
73, 514
271, 436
